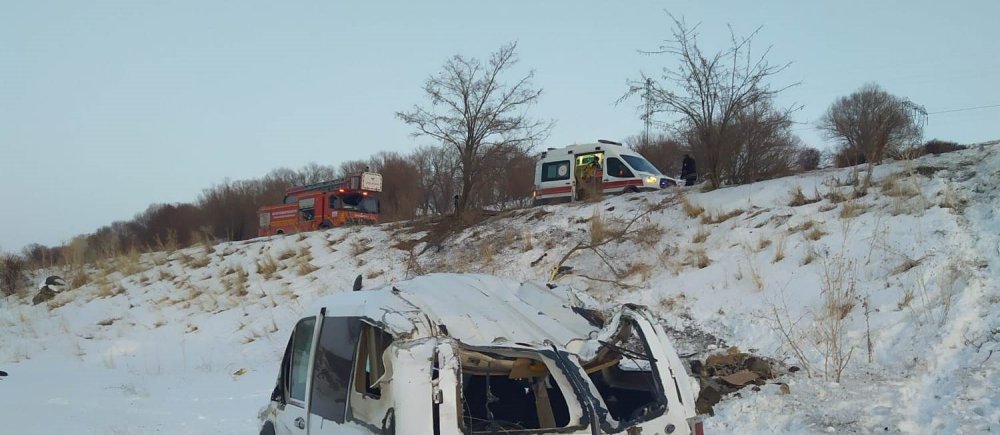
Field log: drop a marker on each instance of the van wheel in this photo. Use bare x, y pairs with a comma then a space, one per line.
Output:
268, 429
631, 189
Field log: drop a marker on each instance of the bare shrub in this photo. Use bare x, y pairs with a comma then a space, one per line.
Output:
808, 158
12, 277
838, 286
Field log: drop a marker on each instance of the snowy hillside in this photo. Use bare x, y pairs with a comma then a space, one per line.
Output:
899, 287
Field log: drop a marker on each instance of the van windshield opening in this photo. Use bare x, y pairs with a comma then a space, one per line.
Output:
623, 373
641, 164
502, 394
359, 202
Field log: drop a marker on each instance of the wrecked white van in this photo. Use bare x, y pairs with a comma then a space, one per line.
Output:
476, 354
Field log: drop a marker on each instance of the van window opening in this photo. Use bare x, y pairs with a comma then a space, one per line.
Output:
299, 367
641, 164
502, 394
370, 368
623, 374
359, 202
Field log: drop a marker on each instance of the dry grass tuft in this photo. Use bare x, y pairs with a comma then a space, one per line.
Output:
835, 196
597, 228
850, 209
691, 209
237, 284
360, 246
799, 198
810, 255
763, 243
814, 233
267, 267
648, 235
643, 270
779, 250
284, 255
701, 235
670, 303
721, 217
697, 257
374, 274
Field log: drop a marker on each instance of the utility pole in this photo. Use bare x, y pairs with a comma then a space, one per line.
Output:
648, 116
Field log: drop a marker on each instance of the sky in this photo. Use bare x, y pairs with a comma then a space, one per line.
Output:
109, 106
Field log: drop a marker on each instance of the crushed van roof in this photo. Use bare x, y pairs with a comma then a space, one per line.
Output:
477, 310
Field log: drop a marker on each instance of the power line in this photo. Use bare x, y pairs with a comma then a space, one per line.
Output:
964, 109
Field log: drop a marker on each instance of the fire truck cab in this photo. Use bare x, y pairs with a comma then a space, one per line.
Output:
345, 201
578, 171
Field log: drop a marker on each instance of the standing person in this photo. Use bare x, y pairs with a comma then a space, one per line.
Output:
689, 173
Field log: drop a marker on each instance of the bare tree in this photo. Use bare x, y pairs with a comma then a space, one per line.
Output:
764, 146
476, 114
663, 151
709, 91
870, 122
808, 158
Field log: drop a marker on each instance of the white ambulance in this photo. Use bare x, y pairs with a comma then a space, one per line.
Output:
571, 173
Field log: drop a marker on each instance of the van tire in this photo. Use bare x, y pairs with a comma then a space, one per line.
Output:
631, 189
268, 429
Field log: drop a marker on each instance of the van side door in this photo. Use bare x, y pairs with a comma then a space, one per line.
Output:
294, 383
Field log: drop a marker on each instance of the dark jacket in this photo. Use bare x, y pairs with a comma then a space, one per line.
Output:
688, 169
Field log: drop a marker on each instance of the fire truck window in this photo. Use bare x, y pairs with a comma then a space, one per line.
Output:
333, 201
360, 202
555, 171
618, 169
290, 200
307, 208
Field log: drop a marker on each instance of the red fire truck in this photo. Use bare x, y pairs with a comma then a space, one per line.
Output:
345, 201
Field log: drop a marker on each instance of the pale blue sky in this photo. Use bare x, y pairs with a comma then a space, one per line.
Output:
108, 106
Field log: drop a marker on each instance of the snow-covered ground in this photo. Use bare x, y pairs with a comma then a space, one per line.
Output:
903, 281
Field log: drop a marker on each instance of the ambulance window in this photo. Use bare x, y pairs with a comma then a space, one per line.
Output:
332, 368
370, 368
618, 169
307, 208
641, 164
299, 368
555, 171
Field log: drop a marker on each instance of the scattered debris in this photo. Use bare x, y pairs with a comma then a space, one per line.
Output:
726, 373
